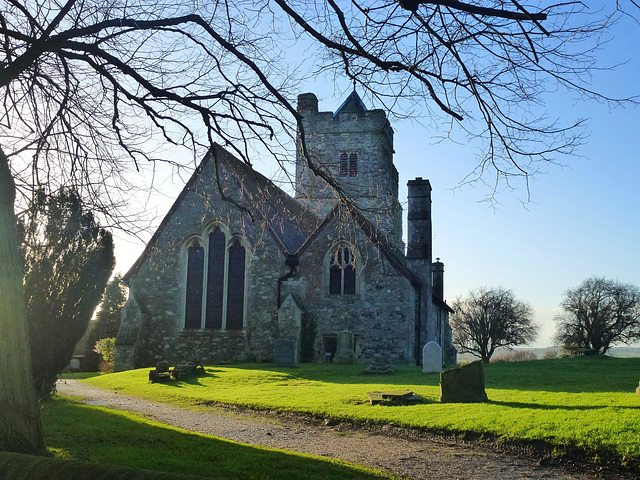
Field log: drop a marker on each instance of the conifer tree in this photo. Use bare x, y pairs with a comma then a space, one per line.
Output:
68, 261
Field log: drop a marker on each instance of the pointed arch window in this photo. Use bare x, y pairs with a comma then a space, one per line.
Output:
342, 271
235, 292
215, 283
215, 279
195, 274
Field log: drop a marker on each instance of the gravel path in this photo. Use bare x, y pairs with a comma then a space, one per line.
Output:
431, 458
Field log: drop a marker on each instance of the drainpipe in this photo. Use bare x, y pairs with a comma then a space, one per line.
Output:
418, 325
292, 262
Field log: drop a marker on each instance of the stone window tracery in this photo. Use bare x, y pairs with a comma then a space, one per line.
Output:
215, 283
342, 271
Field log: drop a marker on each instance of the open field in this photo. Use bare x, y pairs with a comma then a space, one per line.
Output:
586, 405
78, 432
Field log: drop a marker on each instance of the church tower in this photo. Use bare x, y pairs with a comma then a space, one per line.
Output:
354, 146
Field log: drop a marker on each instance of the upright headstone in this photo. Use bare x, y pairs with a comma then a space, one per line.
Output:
345, 349
289, 323
464, 384
431, 358
284, 354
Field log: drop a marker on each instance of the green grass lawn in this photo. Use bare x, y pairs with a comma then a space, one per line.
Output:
586, 404
74, 431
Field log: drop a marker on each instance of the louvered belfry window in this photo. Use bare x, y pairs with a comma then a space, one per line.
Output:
342, 271
353, 165
195, 274
344, 165
349, 165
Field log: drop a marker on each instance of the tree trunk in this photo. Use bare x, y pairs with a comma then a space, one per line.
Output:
20, 427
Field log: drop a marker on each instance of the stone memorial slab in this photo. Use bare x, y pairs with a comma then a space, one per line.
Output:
431, 358
284, 354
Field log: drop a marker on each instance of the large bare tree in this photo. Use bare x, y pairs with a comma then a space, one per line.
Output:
490, 318
91, 88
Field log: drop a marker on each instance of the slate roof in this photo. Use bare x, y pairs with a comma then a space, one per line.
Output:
353, 104
289, 220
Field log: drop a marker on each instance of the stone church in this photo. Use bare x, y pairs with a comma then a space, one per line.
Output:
238, 266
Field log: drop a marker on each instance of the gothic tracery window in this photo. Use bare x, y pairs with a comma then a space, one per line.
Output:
215, 284
342, 271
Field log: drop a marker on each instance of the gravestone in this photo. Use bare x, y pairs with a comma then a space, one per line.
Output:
464, 384
381, 365
284, 352
638, 390
431, 358
289, 323
345, 350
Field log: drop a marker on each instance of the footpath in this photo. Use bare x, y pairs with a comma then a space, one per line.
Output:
426, 457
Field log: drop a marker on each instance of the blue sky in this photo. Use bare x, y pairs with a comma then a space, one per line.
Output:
582, 218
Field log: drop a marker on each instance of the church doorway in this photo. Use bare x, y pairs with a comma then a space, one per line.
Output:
329, 347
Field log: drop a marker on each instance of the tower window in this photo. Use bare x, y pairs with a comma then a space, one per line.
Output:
353, 165
344, 165
349, 165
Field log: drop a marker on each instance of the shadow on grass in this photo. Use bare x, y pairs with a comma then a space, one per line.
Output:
571, 375
79, 432
346, 374
192, 380
538, 406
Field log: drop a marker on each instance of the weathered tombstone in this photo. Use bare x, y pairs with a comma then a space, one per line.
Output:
345, 350
431, 358
638, 390
381, 365
284, 354
464, 384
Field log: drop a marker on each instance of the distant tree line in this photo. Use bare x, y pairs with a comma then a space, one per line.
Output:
594, 316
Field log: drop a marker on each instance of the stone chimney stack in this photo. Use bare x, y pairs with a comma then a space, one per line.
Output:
437, 270
419, 220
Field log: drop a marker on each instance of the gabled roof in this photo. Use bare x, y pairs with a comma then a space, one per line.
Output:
390, 251
290, 222
353, 104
